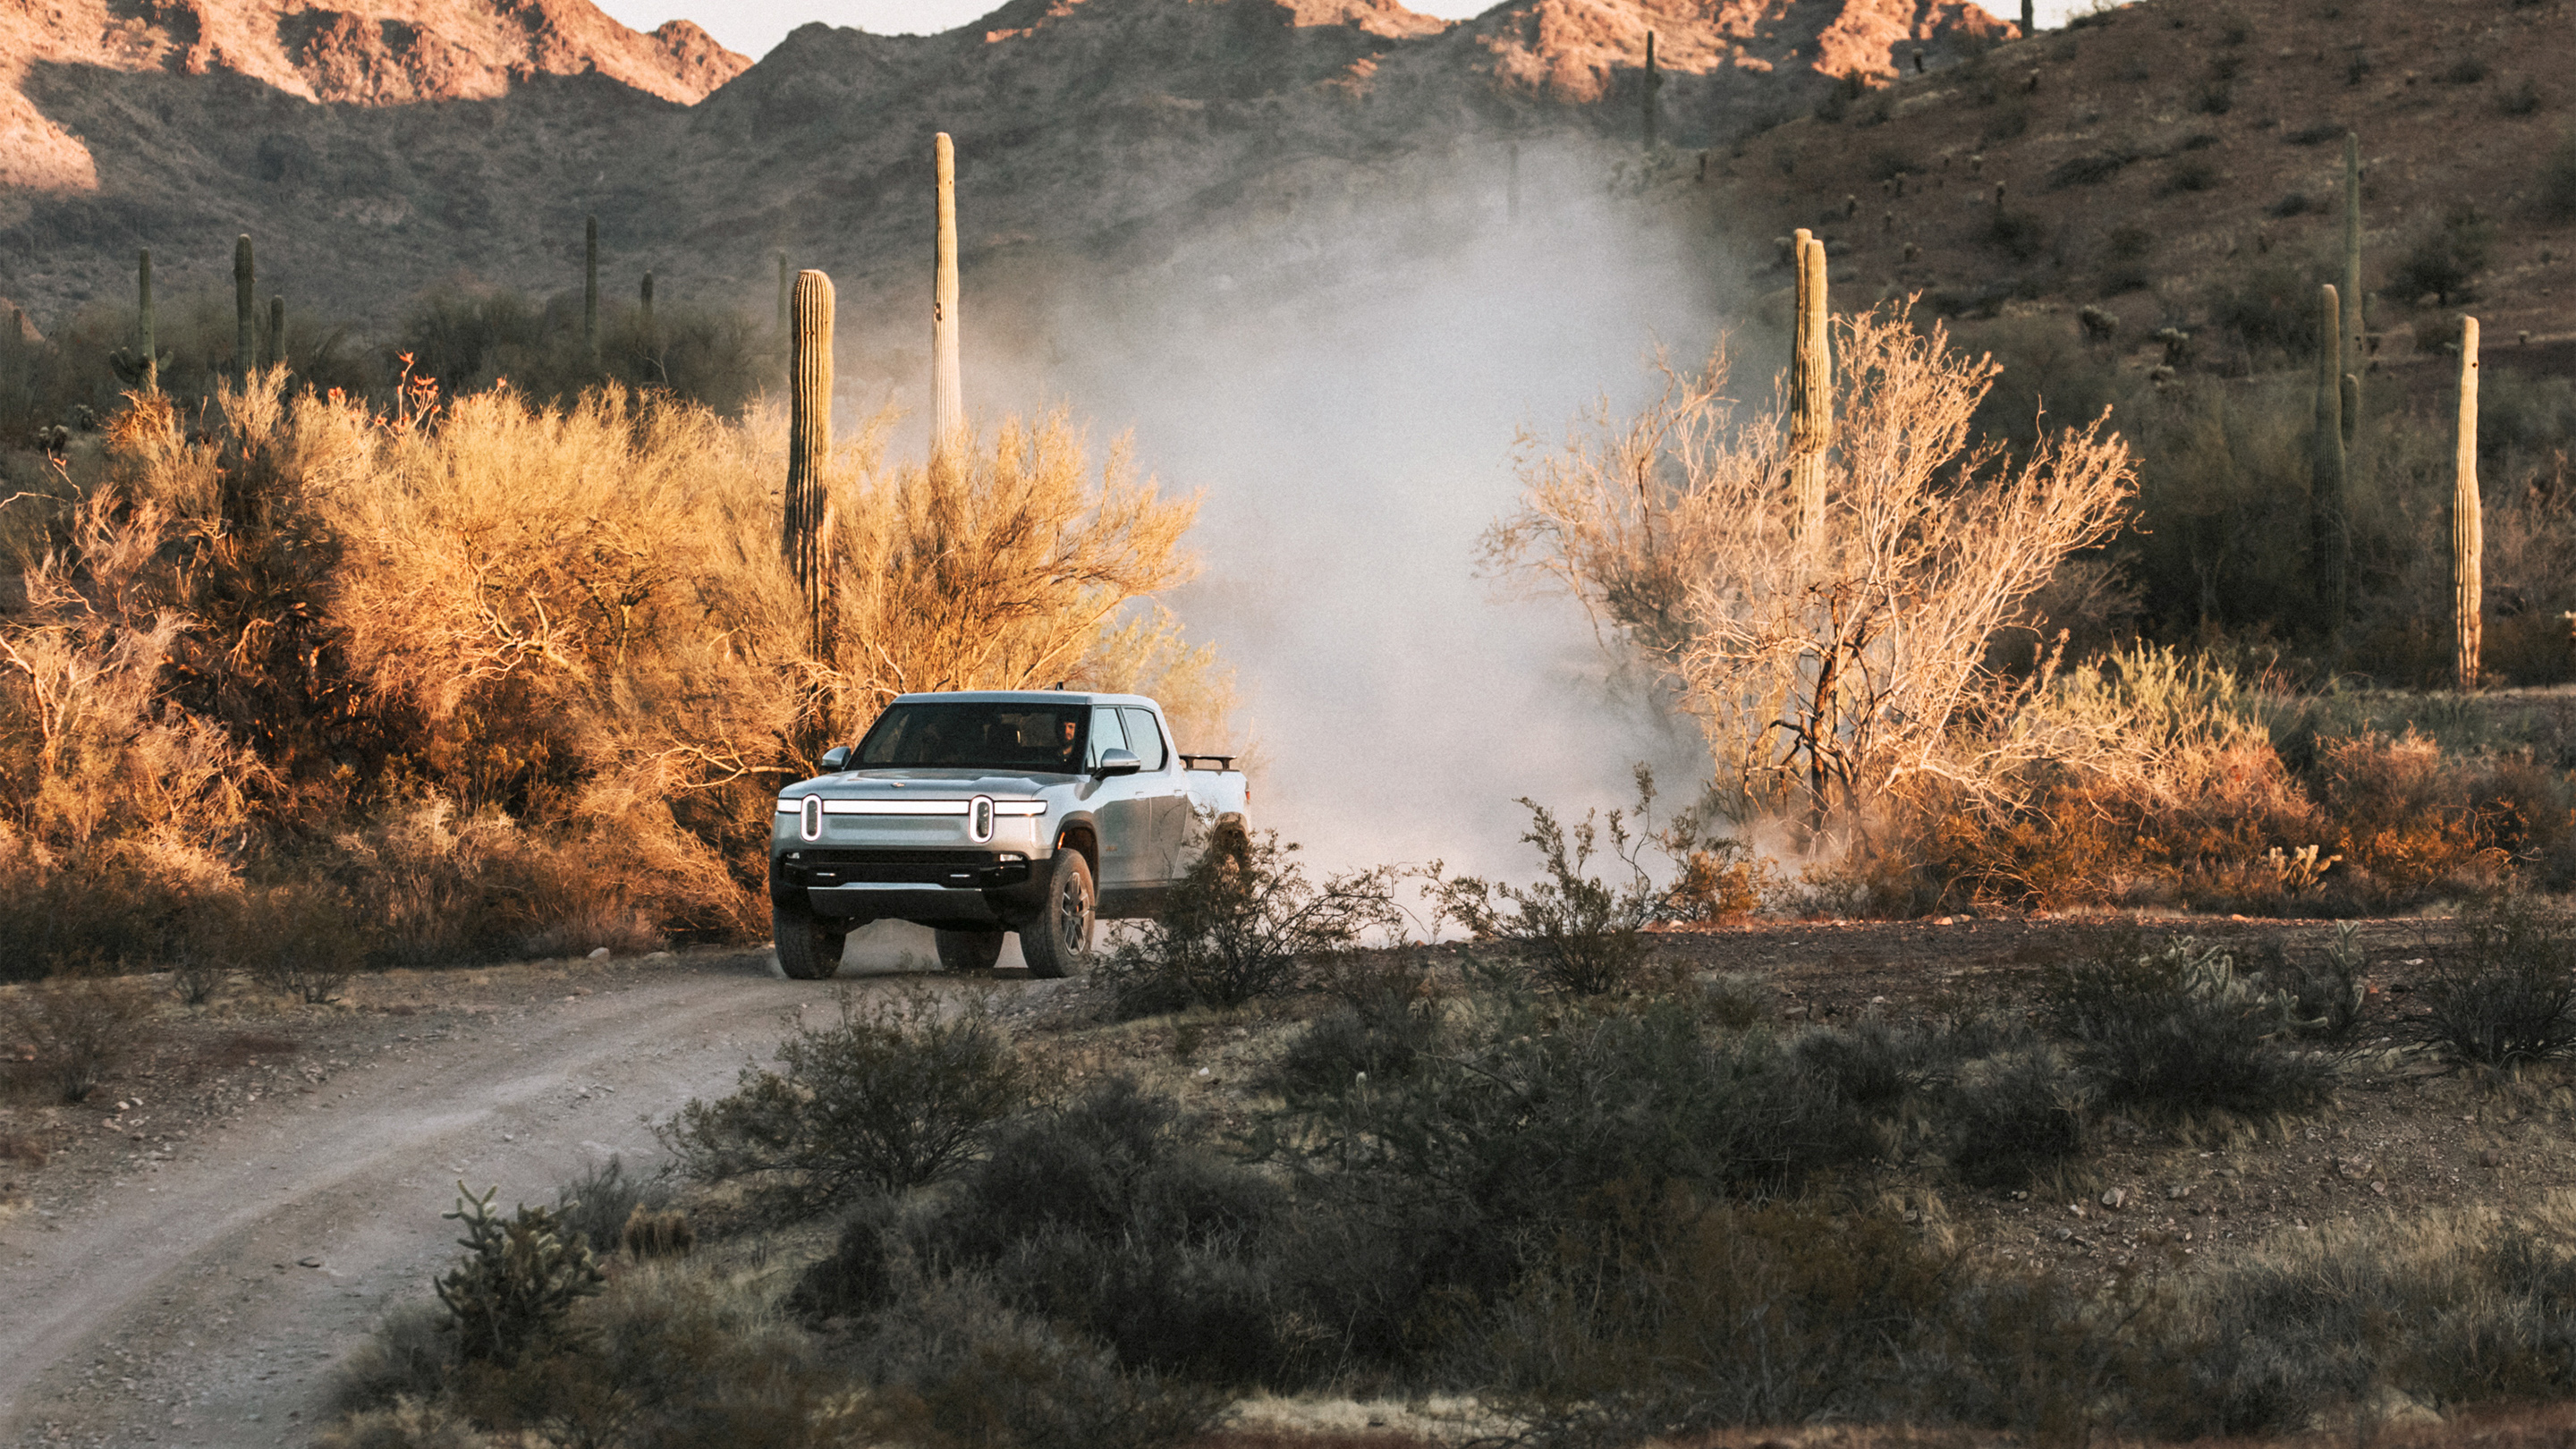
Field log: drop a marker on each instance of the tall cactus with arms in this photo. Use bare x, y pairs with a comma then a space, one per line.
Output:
2468, 582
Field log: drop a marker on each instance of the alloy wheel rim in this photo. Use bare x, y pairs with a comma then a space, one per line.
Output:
1073, 916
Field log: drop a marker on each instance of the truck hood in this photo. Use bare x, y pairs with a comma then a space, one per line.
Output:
922, 784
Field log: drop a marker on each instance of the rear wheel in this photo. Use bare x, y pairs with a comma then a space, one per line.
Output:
969, 950
809, 946
1059, 937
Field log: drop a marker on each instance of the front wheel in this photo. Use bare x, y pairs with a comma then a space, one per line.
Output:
809, 946
1057, 939
969, 950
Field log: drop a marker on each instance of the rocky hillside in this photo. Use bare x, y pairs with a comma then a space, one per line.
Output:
2179, 163
378, 150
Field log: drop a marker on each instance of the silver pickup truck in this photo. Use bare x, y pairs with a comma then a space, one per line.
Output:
985, 812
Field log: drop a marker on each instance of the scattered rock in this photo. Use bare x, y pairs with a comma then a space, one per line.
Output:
2115, 1198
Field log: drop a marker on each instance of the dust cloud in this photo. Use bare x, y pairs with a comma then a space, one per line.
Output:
1345, 375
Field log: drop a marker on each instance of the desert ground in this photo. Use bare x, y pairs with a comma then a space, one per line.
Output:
189, 1253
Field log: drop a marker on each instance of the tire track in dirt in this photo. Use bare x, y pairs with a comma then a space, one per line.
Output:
207, 1302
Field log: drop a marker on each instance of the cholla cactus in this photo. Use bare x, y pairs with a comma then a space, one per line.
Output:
517, 1283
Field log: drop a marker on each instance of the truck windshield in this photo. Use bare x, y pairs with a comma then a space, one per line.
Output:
968, 736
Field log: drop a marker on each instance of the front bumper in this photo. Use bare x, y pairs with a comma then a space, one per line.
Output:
977, 887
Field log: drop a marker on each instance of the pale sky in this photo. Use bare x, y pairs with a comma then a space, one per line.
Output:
753, 26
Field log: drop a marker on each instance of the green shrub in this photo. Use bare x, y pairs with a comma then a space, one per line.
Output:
410, 1357
2446, 257
1238, 925
858, 1275
517, 1283
2013, 1117
1384, 1040
2179, 1031
2506, 994
887, 1097
1101, 1214
596, 1205
1584, 936
953, 1366
2557, 189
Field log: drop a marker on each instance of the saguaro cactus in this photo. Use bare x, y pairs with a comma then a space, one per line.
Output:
2029, 19
2352, 319
151, 347
947, 403
590, 288
1811, 393
276, 348
809, 449
245, 309
2468, 582
1654, 83
644, 303
2326, 465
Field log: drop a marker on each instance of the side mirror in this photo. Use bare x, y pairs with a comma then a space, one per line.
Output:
836, 759
1117, 762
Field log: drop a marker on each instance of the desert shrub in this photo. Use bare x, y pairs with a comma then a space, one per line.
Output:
1672, 533
2268, 301
597, 1205
2088, 170
299, 940
506, 675
410, 1356
1239, 924
2450, 1307
672, 1356
886, 1097
1459, 1171
859, 1274
2557, 179
406, 1424
1382, 1040
2178, 1031
1675, 1313
2506, 994
509, 1296
2013, 1117
1102, 1214
2445, 257
1584, 936
953, 1366
80, 1029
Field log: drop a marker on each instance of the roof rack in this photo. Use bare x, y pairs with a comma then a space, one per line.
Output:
1223, 762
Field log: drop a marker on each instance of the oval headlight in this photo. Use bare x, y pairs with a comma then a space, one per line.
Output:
809, 821
979, 819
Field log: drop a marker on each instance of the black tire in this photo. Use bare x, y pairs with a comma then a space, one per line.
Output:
969, 950
1058, 939
809, 946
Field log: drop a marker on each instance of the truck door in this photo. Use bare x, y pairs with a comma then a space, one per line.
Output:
1165, 800
1121, 805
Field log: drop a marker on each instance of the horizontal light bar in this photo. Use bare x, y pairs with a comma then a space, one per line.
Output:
789, 806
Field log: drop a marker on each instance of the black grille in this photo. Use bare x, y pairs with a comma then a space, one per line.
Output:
959, 869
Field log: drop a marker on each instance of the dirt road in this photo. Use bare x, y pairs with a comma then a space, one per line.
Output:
204, 1299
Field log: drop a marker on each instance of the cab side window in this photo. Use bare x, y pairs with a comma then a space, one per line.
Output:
1106, 734
1144, 736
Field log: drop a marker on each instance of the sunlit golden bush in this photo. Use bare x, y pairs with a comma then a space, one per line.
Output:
509, 677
